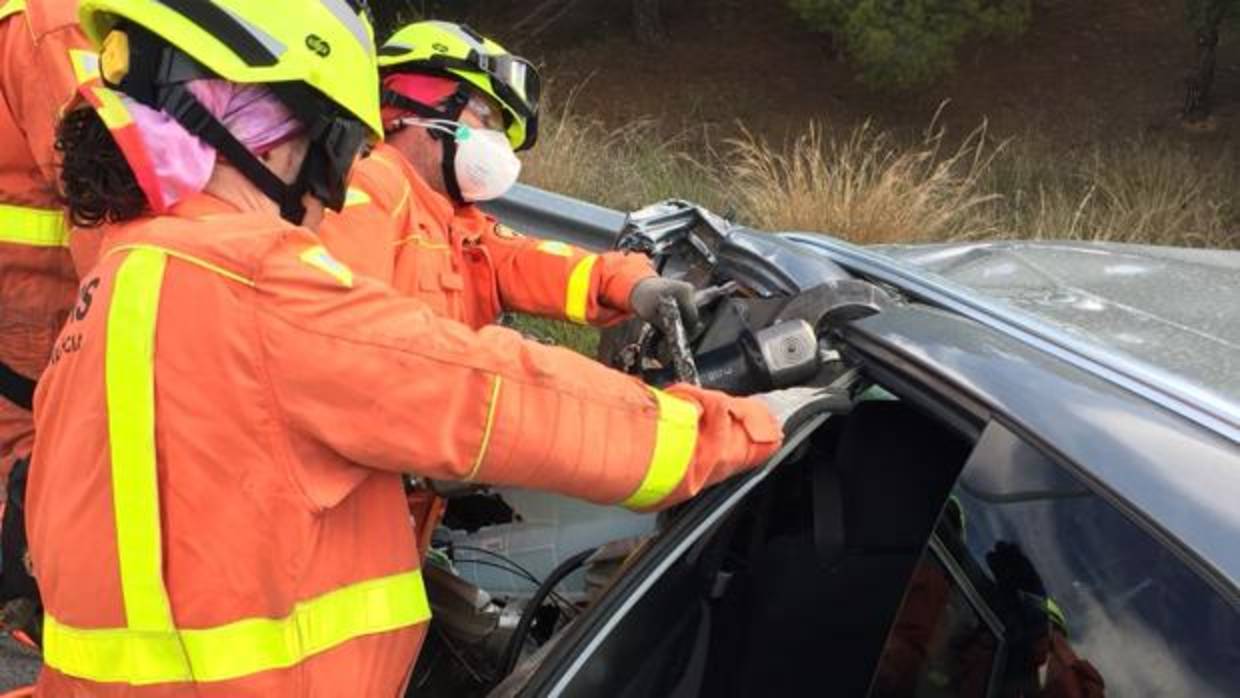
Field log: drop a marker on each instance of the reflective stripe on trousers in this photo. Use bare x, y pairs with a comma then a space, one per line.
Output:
150, 649
36, 227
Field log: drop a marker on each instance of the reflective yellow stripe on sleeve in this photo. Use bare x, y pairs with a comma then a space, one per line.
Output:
150, 649
36, 227
577, 297
674, 445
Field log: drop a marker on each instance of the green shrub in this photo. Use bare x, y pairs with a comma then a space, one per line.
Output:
898, 44
1202, 14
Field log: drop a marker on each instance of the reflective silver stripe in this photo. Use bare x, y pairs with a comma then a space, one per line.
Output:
349, 18
269, 42
456, 31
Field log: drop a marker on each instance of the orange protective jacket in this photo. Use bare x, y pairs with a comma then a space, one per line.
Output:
464, 264
217, 499
43, 57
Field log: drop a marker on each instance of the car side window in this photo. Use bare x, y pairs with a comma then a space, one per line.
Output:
1086, 602
941, 644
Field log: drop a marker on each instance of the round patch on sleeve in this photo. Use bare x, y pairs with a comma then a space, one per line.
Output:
503, 231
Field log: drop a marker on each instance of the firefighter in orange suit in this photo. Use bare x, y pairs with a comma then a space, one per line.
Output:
411, 217
457, 106
43, 58
217, 506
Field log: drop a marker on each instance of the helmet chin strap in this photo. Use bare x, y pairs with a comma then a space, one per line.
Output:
451, 110
447, 144
179, 103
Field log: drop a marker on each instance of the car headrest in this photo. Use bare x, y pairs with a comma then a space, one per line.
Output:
896, 467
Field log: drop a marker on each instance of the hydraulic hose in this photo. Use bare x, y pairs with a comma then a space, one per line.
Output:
513, 651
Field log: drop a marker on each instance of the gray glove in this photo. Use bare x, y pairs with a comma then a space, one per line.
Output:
646, 294
791, 405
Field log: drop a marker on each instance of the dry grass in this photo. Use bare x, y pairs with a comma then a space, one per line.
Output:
868, 186
1142, 192
863, 186
624, 168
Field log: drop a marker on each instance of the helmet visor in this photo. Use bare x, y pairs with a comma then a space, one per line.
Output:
513, 81
516, 83
521, 78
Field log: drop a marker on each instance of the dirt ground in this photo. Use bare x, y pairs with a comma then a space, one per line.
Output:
1084, 70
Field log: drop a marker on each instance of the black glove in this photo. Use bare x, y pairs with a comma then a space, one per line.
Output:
646, 295
19, 594
15, 579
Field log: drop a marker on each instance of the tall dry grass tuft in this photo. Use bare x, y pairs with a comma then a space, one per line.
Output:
1142, 191
869, 186
864, 186
625, 168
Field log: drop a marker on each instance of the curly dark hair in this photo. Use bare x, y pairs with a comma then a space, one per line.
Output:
98, 185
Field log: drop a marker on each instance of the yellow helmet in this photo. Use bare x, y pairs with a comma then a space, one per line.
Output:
317, 56
456, 51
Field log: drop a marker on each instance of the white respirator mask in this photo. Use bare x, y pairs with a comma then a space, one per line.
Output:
484, 165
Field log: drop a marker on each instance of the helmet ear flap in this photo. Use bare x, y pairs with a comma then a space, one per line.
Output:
114, 57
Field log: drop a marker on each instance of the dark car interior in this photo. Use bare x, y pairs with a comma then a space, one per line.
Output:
829, 541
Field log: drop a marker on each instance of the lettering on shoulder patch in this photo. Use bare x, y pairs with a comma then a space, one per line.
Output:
555, 247
503, 231
319, 258
355, 196
85, 65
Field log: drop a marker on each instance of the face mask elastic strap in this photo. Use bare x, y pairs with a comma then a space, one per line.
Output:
450, 181
438, 127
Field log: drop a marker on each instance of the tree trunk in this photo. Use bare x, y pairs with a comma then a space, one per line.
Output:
648, 22
1197, 96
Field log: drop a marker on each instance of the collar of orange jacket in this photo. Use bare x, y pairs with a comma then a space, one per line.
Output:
439, 206
202, 205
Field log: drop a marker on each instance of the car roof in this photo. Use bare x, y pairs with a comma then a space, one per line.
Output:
1173, 308
1163, 383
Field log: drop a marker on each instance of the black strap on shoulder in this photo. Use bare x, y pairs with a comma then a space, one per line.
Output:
391, 98
16, 388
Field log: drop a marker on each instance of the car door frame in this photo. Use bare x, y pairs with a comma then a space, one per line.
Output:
960, 371
702, 516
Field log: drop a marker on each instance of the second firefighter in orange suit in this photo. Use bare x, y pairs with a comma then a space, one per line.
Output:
416, 227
